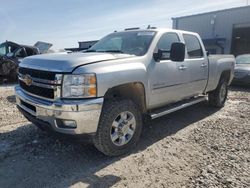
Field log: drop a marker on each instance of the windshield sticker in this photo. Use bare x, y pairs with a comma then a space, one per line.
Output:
143, 33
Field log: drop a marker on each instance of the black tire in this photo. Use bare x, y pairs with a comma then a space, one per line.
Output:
110, 111
216, 98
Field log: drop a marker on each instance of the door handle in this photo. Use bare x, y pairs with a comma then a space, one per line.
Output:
182, 67
203, 65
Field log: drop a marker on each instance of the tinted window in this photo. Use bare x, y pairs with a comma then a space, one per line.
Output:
20, 53
194, 49
30, 51
166, 42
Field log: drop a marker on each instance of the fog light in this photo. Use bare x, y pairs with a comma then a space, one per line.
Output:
62, 123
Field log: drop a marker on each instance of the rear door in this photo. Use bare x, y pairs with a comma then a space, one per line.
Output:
197, 65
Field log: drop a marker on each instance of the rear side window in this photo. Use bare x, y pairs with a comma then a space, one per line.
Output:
166, 42
193, 45
30, 51
20, 53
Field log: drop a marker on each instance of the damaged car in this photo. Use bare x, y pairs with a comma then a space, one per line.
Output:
11, 54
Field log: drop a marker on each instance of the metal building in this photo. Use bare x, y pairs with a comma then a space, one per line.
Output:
82, 46
87, 44
223, 31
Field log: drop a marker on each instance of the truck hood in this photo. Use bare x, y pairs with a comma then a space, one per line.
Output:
67, 62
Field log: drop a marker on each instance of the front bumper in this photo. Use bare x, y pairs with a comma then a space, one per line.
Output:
85, 113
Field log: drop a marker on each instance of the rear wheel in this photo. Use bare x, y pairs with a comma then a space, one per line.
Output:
119, 128
217, 98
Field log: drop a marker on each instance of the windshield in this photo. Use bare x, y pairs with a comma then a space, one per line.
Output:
6, 48
243, 59
2, 49
132, 42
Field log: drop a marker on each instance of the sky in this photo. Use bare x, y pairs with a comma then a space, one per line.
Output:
63, 23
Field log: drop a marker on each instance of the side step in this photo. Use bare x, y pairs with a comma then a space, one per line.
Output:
172, 108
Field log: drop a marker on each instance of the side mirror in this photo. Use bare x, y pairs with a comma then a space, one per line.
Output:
177, 52
158, 55
11, 54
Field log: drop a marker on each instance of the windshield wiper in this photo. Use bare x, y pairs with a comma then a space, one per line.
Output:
103, 51
113, 51
89, 51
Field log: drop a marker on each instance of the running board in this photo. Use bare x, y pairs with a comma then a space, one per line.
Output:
172, 108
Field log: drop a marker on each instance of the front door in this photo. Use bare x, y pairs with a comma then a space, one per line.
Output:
167, 78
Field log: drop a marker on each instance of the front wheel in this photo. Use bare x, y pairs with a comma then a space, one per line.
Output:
119, 127
217, 98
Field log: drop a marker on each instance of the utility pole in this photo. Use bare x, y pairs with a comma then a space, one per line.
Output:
247, 2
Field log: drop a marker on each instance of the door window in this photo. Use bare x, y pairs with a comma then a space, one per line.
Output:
193, 45
3, 50
30, 51
20, 53
166, 42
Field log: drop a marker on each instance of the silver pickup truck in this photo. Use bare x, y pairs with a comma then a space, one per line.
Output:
107, 91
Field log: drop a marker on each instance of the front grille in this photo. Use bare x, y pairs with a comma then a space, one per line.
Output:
29, 106
43, 83
37, 73
43, 92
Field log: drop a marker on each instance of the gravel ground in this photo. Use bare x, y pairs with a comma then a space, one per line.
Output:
195, 147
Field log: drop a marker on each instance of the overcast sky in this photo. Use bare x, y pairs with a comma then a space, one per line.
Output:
64, 22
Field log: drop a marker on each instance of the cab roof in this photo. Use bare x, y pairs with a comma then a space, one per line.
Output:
159, 30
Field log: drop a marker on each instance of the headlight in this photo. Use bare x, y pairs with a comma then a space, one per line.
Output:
79, 86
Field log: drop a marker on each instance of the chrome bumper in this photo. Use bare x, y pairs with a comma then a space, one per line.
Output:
85, 113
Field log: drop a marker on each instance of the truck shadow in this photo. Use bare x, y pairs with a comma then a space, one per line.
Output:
5, 83
41, 161
11, 99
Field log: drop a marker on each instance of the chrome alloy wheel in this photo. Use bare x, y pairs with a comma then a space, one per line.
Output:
123, 128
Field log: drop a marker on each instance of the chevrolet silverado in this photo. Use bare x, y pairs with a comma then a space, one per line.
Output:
108, 90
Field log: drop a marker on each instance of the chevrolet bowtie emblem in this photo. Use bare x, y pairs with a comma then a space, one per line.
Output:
27, 80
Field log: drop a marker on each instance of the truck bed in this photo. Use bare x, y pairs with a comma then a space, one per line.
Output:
218, 63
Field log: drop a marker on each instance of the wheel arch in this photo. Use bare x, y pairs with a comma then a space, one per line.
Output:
132, 90
226, 74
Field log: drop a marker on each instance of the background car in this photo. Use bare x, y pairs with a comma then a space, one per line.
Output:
242, 70
11, 54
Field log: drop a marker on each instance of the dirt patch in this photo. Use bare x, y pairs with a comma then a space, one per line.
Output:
9, 114
195, 147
